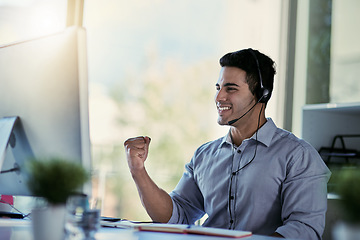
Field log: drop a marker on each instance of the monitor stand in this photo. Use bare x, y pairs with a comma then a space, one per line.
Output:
7, 137
12, 134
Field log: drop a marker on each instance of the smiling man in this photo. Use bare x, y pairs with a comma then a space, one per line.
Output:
257, 178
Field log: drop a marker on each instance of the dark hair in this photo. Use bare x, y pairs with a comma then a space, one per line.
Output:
245, 60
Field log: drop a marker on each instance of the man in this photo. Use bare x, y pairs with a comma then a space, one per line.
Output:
257, 178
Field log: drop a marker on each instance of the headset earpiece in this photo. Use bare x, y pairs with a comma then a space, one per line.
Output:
263, 94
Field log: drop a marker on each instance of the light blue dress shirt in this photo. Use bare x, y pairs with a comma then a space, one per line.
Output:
283, 189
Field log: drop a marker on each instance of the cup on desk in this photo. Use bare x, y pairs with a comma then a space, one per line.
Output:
82, 217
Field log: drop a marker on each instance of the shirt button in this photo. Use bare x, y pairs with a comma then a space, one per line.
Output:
239, 151
231, 197
231, 221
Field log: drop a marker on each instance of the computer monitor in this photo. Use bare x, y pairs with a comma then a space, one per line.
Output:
44, 103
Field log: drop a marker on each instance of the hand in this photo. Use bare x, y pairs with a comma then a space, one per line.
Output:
136, 152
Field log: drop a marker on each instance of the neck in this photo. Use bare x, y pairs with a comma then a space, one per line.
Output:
246, 128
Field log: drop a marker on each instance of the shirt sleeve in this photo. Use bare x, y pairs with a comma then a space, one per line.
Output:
304, 196
188, 202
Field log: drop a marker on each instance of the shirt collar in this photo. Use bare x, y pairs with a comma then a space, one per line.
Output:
264, 135
266, 132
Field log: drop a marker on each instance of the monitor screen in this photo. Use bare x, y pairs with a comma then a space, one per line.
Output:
44, 83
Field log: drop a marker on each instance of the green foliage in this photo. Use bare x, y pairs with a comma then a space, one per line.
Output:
348, 187
172, 103
55, 179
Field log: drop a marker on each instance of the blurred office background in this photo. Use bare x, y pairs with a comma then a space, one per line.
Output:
153, 65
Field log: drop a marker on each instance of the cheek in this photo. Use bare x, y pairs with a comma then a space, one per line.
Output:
243, 103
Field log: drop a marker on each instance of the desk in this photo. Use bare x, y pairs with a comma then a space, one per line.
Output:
21, 230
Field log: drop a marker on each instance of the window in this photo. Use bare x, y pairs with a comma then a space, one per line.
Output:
153, 66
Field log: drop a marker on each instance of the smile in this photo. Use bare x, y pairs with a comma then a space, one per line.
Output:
224, 108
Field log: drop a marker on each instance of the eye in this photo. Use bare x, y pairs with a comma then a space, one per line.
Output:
230, 89
217, 87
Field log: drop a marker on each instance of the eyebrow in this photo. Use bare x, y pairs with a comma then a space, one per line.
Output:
227, 85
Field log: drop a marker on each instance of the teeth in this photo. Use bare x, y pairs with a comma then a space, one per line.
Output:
224, 108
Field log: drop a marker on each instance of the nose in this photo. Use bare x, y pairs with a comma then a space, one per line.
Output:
220, 95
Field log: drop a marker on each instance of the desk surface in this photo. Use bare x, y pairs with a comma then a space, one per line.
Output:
21, 230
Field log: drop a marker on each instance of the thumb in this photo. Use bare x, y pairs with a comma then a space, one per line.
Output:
147, 143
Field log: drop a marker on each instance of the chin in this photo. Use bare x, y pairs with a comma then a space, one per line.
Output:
222, 122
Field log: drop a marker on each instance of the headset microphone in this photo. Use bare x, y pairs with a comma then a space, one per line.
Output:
237, 119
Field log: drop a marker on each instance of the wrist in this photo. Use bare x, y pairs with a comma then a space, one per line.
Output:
137, 173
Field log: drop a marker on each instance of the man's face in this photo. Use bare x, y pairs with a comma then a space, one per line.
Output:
233, 96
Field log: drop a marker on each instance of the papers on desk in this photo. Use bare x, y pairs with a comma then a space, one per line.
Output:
177, 228
119, 223
192, 229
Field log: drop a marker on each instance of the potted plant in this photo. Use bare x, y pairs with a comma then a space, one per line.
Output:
54, 180
348, 189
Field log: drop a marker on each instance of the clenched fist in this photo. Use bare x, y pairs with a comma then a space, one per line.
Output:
136, 152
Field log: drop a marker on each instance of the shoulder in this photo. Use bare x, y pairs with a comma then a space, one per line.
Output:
300, 154
288, 139
210, 146
281, 139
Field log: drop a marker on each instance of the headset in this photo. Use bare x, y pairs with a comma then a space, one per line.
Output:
263, 94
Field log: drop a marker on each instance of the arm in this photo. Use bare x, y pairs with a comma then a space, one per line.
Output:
304, 196
156, 201
187, 199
